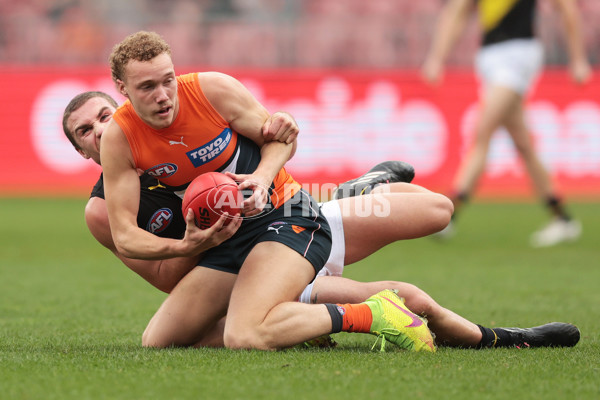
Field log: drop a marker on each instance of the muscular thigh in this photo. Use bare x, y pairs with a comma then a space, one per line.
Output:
272, 274
498, 104
373, 221
192, 309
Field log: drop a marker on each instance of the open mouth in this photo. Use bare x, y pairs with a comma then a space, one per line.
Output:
164, 111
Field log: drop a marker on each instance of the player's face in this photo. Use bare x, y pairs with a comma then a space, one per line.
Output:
87, 124
152, 89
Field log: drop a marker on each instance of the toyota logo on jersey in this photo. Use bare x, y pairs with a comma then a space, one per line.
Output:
209, 151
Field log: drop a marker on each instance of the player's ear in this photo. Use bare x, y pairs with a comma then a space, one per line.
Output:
121, 88
83, 154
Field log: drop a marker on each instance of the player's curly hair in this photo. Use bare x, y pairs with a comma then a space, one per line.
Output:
140, 46
75, 104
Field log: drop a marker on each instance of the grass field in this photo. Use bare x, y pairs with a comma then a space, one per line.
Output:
71, 318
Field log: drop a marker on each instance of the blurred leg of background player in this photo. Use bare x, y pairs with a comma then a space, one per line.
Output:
503, 106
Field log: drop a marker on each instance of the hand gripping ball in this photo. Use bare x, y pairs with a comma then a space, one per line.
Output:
209, 196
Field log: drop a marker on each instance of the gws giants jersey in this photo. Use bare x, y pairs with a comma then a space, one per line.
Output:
198, 141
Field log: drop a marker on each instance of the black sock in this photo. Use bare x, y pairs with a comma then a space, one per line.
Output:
337, 321
459, 199
556, 206
462, 197
496, 337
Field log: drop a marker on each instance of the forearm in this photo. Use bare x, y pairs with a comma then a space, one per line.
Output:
573, 33
448, 29
134, 242
274, 155
162, 274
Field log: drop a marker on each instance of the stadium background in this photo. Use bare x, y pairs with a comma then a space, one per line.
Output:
347, 70
72, 316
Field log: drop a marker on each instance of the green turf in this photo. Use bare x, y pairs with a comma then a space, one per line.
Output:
71, 319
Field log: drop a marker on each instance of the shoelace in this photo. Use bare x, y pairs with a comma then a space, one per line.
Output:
389, 331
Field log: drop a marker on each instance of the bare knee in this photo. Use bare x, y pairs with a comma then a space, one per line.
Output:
156, 338
420, 302
442, 211
150, 339
247, 338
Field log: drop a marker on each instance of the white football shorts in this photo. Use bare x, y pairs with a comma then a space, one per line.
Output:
335, 264
515, 64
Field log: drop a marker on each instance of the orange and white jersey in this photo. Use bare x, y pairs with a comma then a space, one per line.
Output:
198, 141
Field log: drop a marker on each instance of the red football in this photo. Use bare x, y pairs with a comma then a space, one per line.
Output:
209, 196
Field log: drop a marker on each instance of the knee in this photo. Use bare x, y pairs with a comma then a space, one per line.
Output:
442, 211
156, 339
247, 338
149, 339
421, 303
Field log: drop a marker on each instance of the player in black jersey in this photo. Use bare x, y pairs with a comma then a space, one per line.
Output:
507, 64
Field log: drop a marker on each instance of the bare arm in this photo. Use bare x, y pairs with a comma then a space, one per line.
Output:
122, 193
162, 274
280, 127
579, 66
449, 27
234, 102
247, 117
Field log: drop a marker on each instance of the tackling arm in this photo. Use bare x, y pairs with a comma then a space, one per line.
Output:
249, 118
162, 274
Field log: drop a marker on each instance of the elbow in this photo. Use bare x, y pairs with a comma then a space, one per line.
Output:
129, 254
123, 247
294, 147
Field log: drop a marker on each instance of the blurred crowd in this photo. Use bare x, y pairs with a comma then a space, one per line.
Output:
255, 33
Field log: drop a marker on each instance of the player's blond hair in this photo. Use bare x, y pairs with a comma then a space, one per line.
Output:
140, 46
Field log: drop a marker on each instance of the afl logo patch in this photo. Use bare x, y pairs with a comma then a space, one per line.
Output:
160, 220
162, 170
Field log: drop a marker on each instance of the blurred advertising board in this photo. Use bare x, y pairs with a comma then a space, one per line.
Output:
349, 120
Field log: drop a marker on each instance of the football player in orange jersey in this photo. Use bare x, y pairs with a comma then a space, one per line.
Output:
221, 124
354, 237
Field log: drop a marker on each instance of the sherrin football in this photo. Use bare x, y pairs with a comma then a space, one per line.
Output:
209, 196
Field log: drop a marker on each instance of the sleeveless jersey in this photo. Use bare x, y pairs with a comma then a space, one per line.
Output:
506, 19
198, 141
159, 210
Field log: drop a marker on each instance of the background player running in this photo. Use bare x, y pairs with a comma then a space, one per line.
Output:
507, 66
